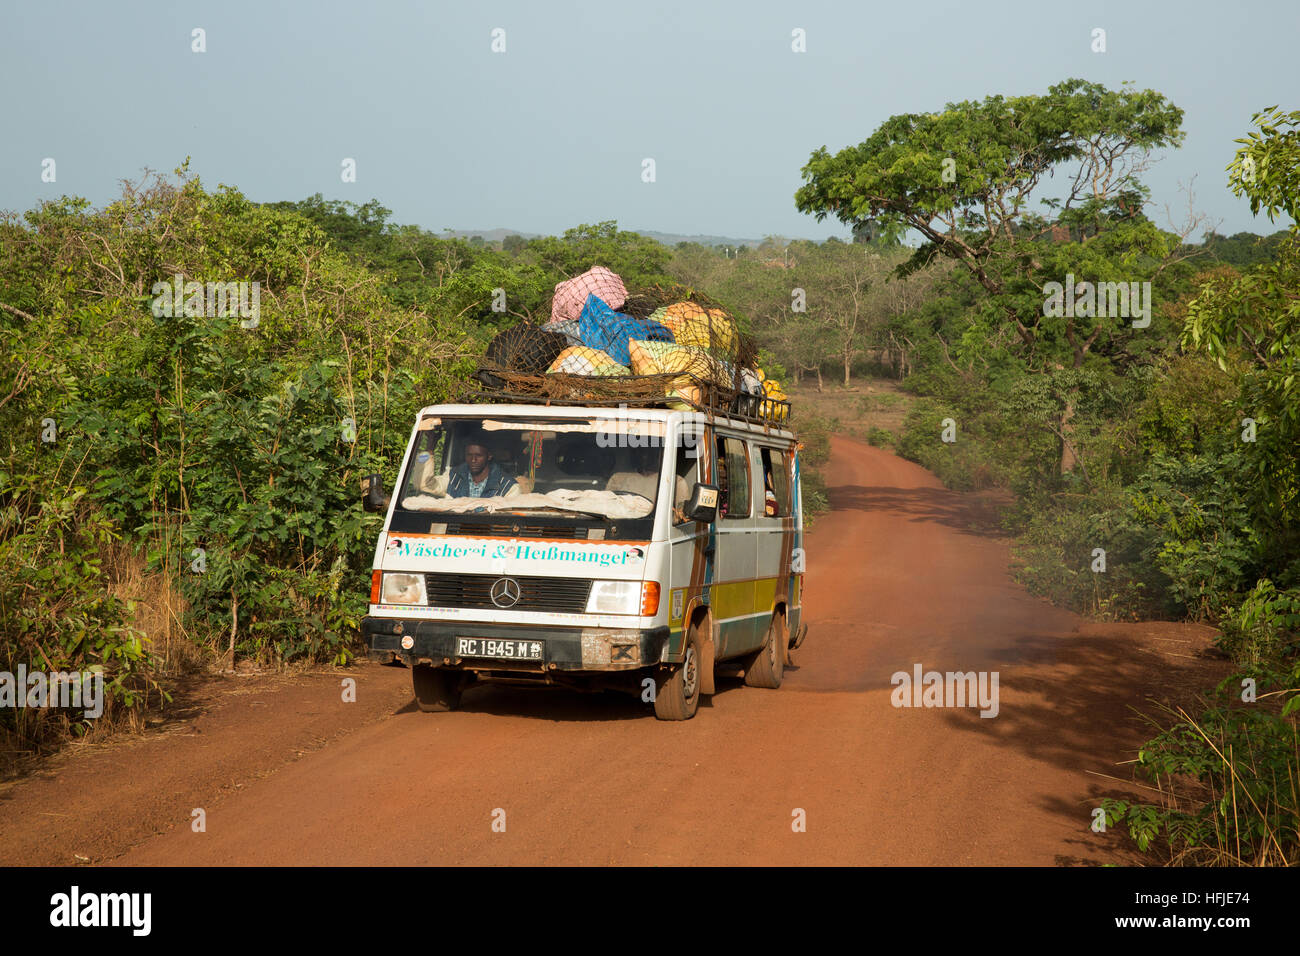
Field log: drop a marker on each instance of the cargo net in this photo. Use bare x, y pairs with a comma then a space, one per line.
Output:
664, 345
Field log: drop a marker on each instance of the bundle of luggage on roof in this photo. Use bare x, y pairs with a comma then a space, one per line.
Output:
663, 344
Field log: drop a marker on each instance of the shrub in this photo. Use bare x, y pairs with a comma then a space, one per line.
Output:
56, 611
880, 437
1231, 779
1264, 628
967, 464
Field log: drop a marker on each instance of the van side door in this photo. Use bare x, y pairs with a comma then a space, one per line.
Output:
734, 594
777, 531
691, 568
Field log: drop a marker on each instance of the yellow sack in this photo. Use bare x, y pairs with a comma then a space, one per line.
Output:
691, 324
580, 360
774, 391
667, 358
677, 313
684, 395
660, 358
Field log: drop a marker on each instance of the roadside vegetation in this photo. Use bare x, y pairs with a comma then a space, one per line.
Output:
1151, 454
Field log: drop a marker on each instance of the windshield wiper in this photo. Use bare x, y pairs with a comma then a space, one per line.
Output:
562, 510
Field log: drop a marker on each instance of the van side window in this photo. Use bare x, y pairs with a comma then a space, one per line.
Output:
776, 483
733, 478
430, 460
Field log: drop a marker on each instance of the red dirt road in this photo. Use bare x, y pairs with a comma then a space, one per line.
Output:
898, 575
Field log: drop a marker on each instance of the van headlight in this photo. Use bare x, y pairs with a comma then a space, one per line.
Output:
624, 597
404, 589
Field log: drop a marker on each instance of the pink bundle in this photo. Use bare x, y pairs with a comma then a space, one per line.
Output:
572, 293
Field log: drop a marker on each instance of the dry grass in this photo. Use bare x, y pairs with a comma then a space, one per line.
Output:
865, 404
159, 610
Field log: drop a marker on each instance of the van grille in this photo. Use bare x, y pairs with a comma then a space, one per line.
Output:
558, 595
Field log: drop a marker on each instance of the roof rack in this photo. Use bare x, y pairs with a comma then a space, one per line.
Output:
757, 409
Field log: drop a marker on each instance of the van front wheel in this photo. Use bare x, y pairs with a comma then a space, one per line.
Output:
677, 694
436, 690
767, 666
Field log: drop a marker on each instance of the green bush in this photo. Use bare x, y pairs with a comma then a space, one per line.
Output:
1055, 552
1231, 776
56, 611
880, 437
814, 433
1199, 526
1178, 541
816, 500
230, 451
969, 463
1264, 628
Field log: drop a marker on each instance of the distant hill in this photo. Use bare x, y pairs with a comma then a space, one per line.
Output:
489, 235
667, 238
672, 238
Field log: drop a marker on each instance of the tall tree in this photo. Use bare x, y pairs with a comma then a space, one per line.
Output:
964, 179
1251, 322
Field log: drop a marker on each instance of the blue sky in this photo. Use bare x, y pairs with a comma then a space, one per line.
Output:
553, 131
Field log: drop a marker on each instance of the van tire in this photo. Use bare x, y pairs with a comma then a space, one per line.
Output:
766, 666
677, 692
436, 690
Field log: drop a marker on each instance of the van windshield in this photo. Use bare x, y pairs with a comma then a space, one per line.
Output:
571, 466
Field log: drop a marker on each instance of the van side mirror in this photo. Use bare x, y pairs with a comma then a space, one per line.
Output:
372, 487
703, 505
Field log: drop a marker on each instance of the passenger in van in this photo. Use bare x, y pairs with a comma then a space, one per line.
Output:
724, 490
770, 506
639, 475
769, 496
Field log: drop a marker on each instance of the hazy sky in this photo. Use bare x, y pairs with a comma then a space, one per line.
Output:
553, 131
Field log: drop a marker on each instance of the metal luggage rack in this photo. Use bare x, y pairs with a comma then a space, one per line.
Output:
716, 401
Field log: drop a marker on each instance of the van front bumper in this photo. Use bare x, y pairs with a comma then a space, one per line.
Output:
563, 648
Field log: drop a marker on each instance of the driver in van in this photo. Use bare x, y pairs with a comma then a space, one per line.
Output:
477, 477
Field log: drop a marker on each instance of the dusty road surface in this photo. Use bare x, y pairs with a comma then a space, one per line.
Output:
901, 573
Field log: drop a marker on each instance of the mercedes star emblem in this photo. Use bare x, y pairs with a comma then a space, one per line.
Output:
505, 592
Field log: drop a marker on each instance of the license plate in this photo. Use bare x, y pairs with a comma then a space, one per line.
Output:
506, 650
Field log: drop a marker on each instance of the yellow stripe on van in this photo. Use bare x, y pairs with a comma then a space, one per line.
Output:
730, 599
741, 598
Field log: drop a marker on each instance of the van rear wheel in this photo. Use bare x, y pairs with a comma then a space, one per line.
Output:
767, 666
677, 694
436, 690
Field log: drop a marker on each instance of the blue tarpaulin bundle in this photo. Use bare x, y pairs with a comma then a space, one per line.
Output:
600, 327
